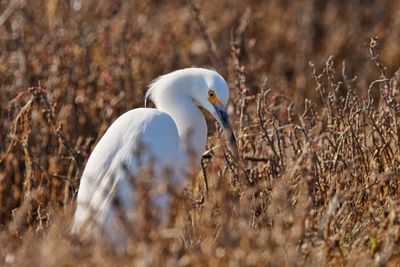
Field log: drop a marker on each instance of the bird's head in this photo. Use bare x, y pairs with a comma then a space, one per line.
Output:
212, 94
206, 88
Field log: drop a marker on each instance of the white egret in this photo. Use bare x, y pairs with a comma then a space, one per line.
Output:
173, 133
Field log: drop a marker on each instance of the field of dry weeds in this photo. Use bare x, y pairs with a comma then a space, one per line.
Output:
315, 104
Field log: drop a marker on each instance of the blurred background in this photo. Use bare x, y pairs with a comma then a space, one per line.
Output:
95, 59
79, 48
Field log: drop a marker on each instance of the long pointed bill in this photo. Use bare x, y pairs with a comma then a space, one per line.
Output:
224, 121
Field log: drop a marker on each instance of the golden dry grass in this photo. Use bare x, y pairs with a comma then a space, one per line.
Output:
318, 183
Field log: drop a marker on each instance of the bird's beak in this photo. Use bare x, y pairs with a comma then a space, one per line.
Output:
224, 121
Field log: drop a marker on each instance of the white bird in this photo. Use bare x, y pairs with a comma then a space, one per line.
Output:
173, 134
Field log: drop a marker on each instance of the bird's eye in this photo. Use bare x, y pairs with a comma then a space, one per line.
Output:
211, 93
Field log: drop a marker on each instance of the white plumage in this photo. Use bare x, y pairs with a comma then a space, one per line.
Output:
171, 136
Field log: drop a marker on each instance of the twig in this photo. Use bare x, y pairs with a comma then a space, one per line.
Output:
194, 10
12, 7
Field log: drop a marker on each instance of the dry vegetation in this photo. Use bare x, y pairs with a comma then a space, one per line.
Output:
318, 183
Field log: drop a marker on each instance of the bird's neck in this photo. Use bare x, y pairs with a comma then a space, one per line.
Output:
191, 125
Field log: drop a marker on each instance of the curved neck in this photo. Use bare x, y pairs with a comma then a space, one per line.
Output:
190, 122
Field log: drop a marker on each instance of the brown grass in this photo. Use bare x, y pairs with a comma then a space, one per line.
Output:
318, 183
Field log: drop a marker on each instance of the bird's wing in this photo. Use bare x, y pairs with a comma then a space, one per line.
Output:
134, 139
